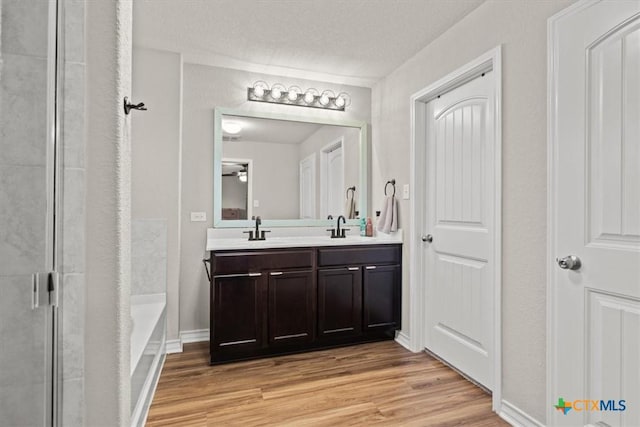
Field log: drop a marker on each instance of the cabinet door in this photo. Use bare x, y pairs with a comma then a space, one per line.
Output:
381, 287
237, 304
340, 301
291, 307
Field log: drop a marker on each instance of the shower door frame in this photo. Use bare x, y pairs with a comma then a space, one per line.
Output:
54, 191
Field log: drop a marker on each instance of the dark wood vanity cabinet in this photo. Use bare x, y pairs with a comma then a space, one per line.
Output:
381, 297
266, 302
339, 302
236, 312
291, 307
377, 285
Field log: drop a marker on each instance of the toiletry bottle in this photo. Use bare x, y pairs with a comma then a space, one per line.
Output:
363, 227
376, 221
369, 228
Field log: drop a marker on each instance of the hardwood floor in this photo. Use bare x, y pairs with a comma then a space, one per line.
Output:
370, 384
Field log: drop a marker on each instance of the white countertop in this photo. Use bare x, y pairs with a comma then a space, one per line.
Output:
221, 241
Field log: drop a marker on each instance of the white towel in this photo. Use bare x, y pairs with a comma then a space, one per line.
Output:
388, 221
350, 208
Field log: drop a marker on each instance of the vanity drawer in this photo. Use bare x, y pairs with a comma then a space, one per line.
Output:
381, 254
251, 262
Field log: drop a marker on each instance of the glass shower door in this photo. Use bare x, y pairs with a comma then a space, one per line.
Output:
27, 205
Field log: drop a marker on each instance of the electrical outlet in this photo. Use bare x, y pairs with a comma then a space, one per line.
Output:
198, 216
256, 203
405, 192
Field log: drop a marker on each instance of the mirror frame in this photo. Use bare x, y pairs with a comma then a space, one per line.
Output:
363, 189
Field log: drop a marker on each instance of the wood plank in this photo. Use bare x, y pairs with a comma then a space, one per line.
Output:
370, 384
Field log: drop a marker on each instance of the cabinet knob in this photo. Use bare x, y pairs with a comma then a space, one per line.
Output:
428, 238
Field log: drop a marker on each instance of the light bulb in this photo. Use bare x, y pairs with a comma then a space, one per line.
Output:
343, 100
326, 97
276, 91
310, 96
293, 93
259, 88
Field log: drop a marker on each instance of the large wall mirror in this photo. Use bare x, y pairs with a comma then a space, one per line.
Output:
289, 171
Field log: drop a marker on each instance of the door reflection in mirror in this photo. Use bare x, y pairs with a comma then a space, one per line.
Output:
237, 180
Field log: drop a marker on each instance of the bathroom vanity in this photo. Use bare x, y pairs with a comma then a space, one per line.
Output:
287, 295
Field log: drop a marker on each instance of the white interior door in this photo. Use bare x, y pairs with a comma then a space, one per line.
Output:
308, 187
460, 218
595, 214
335, 182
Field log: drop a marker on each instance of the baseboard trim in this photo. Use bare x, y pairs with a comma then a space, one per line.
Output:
404, 340
197, 335
173, 346
187, 337
516, 416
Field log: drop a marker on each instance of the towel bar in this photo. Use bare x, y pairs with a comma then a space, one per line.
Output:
393, 183
352, 189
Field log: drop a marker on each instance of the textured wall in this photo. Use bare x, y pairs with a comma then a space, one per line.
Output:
520, 26
155, 149
108, 214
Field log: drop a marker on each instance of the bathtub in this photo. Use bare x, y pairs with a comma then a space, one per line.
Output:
148, 330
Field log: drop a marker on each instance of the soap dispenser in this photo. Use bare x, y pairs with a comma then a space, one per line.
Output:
369, 229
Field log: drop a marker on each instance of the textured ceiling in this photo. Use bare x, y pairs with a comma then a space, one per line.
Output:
361, 40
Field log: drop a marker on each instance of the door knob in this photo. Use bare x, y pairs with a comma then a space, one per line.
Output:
570, 262
428, 238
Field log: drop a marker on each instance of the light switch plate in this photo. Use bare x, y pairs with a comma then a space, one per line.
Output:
256, 203
198, 216
405, 192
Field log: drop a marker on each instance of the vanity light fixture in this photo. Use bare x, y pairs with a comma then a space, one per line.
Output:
278, 94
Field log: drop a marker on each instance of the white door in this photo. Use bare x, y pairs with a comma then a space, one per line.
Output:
308, 187
460, 217
335, 182
595, 215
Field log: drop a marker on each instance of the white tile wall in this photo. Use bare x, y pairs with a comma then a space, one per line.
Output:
148, 256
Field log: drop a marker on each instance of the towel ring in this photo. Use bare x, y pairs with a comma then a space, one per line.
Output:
352, 189
393, 183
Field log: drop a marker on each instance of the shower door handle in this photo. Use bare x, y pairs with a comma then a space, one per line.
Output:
45, 289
